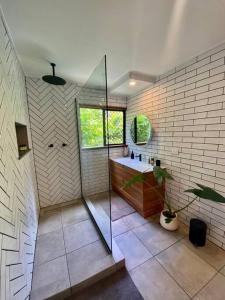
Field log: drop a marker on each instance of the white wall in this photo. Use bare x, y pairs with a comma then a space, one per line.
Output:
18, 194
52, 116
95, 169
53, 121
187, 110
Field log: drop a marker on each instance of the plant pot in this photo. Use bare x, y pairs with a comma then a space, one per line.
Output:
172, 225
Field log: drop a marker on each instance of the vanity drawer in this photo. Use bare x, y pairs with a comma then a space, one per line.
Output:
146, 197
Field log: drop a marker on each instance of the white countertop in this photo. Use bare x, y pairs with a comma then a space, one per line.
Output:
135, 164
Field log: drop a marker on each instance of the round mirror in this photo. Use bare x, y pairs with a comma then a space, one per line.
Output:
141, 130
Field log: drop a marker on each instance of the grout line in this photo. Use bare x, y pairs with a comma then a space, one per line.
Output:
65, 251
178, 240
83, 246
155, 257
204, 285
205, 259
45, 262
133, 269
72, 224
132, 227
173, 278
64, 244
220, 269
35, 248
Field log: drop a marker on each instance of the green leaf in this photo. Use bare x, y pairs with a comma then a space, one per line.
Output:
161, 174
133, 180
208, 193
168, 220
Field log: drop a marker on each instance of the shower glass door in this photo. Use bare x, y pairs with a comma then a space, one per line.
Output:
92, 124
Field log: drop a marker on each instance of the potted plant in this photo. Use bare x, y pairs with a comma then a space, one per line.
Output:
169, 216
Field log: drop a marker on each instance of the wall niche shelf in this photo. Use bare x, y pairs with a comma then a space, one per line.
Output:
22, 140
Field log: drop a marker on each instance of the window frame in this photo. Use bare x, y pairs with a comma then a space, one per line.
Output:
104, 110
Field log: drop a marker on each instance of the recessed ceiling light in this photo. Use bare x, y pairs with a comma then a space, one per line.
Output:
132, 82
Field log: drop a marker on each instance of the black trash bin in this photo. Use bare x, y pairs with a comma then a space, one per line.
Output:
197, 232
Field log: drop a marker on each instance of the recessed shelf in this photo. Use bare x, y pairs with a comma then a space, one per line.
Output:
22, 140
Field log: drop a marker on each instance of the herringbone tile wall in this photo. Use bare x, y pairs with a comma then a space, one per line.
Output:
52, 116
53, 121
18, 192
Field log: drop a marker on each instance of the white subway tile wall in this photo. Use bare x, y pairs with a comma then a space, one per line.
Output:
187, 109
95, 169
18, 189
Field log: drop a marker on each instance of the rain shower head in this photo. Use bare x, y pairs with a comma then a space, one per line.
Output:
52, 79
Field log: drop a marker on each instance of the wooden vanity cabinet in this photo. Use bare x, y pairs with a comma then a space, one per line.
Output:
143, 196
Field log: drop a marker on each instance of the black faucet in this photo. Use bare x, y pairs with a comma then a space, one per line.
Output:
140, 157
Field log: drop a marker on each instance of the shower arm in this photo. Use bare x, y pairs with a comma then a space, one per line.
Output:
53, 68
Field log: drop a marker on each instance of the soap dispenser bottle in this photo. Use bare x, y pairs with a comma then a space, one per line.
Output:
152, 161
132, 155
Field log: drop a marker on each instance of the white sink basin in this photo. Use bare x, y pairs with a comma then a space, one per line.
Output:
134, 164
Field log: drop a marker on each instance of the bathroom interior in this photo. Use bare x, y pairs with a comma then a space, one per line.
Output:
112, 149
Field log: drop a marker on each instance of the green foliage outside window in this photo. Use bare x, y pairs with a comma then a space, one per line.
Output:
143, 129
115, 126
91, 127
93, 131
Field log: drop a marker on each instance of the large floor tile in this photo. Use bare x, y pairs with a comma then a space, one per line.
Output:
87, 262
134, 220
79, 235
118, 286
117, 214
214, 290
120, 207
133, 250
117, 202
211, 253
154, 283
49, 246
74, 214
119, 227
156, 238
50, 222
222, 271
50, 279
117, 254
101, 200
187, 268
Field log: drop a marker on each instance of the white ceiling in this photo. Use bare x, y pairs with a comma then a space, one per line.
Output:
149, 36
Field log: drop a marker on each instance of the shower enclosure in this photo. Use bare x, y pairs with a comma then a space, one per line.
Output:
92, 125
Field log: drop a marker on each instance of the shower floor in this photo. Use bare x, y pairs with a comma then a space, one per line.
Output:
119, 207
69, 254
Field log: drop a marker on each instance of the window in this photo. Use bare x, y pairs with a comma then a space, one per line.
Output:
94, 124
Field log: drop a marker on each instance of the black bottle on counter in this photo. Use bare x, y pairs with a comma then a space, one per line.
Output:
157, 162
132, 155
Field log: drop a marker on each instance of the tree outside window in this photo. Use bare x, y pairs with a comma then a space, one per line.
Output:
96, 122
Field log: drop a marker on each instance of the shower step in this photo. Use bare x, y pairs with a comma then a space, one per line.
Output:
69, 278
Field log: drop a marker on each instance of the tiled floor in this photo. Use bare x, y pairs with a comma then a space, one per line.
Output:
119, 207
165, 265
162, 264
68, 253
118, 286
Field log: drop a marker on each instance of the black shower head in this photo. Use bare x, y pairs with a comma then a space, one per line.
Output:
52, 79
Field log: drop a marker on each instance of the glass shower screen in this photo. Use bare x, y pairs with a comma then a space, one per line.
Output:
92, 123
